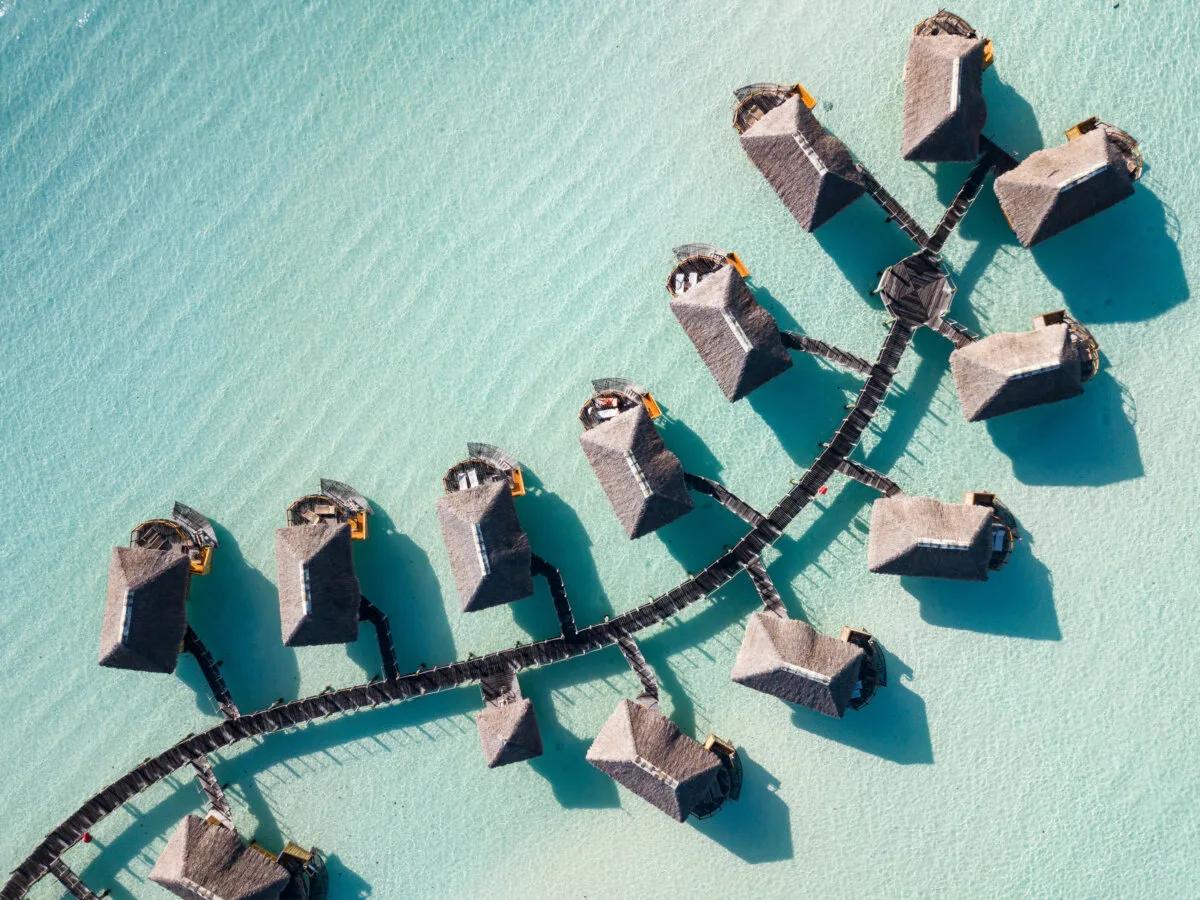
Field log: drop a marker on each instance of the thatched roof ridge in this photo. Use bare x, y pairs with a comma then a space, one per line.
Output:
789, 659
145, 615
646, 752
922, 537
944, 109
1060, 186
489, 551
319, 594
207, 861
737, 339
1007, 372
642, 479
810, 169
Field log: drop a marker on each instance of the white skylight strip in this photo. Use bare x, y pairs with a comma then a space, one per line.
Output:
199, 889
126, 615
1036, 369
638, 475
955, 84
1083, 176
738, 332
807, 149
655, 772
942, 544
306, 580
807, 673
485, 567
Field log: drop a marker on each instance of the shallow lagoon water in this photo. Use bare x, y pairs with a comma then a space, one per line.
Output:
249, 245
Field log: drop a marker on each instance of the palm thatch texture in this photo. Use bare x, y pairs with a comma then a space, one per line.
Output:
916, 289
489, 550
1008, 372
1056, 188
737, 339
810, 169
944, 109
926, 538
789, 659
319, 593
642, 479
508, 726
145, 616
646, 752
206, 860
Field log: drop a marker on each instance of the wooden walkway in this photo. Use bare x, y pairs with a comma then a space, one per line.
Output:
745, 555
869, 477
369, 612
558, 594
806, 344
210, 787
212, 673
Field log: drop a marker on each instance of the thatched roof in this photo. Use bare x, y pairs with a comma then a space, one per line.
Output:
737, 339
641, 477
208, 861
509, 733
319, 594
921, 537
810, 169
647, 753
789, 659
489, 551
145, 614
944, 109
1055, 188
1006, 372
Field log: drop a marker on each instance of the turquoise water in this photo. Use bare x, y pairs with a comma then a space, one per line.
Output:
248, 245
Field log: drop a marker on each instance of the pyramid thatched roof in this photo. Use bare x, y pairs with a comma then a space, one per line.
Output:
642, 479
1006, 372
789, 659
944, 109
207, 861
922, 537
1055, 188
811, 170
319, 595
145, 615
737, 339
489, 551
646, 752
508, 732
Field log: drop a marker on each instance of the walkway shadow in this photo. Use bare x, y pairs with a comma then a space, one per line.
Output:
1087, 440
804, 405
894, 726
395, 573
235, 611
575, 782
756, 827
1122, 265
1017, 601
341, 883
557, 535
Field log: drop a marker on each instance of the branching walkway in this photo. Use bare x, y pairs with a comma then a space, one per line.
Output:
745, 554
834, 354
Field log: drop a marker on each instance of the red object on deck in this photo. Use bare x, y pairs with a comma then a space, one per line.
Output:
822, 490
87, 837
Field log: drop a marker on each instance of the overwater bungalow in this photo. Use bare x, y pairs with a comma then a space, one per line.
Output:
1007, 372
810, 169
944, 109
926, 538
1055, 188
642, 479
205, 859
646, 752
145, 616
737, 339
489, 550
508, 726
319, 594
789, 659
